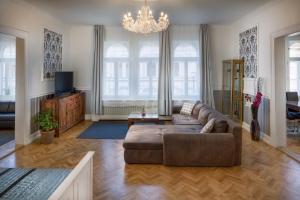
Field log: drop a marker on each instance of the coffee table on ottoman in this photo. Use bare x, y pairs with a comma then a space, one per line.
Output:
138, 117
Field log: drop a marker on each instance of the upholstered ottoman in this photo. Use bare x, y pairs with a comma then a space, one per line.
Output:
143, 144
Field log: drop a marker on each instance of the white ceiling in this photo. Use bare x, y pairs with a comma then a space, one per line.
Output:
110, 12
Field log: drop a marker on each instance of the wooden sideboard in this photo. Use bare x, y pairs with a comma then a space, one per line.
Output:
68, 110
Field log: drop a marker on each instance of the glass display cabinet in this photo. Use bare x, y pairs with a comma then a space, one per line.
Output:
232, 89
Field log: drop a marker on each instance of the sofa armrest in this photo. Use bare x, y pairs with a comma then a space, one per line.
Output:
238, 133
195, 149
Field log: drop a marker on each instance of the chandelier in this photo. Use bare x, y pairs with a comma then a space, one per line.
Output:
145, 23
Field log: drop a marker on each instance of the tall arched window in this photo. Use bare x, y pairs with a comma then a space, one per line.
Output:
7, 67
186, 71
116, 71
148, 71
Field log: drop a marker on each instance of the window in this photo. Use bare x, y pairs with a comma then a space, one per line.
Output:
294, 66
130, 66
116, 71
148, 71
7, 67
185, 71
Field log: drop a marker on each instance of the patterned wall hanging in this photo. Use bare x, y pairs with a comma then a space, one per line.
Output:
248, 51
52, 54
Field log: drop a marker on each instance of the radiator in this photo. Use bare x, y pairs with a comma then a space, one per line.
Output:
127, 107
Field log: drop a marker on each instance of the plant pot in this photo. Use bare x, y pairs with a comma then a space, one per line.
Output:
47, 137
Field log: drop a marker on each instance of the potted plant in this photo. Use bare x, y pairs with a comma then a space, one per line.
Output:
47, 126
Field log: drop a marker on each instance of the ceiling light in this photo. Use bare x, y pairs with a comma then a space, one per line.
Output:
145, 23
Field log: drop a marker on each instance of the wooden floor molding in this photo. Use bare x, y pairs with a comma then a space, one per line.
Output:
290, 153
265, 173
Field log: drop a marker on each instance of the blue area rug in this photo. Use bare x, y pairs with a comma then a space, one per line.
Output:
113, 130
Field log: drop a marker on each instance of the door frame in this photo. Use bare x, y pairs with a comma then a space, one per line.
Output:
278, 89
22, 102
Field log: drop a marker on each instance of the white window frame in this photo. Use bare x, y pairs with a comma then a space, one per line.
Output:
117, 61
293, 59
185, 60
133, 61
151, 61
6, 80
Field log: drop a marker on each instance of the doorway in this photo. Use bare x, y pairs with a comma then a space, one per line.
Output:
280, 83
293, 92
7, 88
22, 100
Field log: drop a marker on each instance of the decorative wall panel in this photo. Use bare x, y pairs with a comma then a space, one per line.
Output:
52, 54
248, 51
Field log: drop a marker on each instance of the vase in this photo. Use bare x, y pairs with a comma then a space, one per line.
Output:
255, 128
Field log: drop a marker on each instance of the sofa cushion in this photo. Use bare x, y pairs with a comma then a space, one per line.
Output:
4, 107
196, 109
7, 117
184, 119
203, 115
149, 137
143, 137
11, 107
193, 128
220, 126
187, 108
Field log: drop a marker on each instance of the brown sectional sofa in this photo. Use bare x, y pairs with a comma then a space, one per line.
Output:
181, 144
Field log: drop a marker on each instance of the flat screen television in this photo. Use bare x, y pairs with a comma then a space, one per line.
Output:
63, 82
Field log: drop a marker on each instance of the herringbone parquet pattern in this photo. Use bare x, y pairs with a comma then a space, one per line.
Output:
265, 173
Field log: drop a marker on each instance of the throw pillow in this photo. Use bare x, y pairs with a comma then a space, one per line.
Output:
187, 109
208, 126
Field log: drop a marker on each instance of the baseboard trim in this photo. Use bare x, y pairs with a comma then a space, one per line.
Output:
263, 136
34, 136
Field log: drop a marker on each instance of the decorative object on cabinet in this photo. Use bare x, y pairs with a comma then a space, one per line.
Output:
68, 110
52, 54
248, 51
232, 89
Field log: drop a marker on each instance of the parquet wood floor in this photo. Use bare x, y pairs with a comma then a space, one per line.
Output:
265, 172
293, 143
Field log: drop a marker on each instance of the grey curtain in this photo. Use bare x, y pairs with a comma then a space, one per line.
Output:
206, 90
97, 105
164, 82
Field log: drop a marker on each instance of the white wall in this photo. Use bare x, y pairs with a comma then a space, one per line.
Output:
18, 17
81, 54
23, 16
221, 49
270, 19
81, 62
